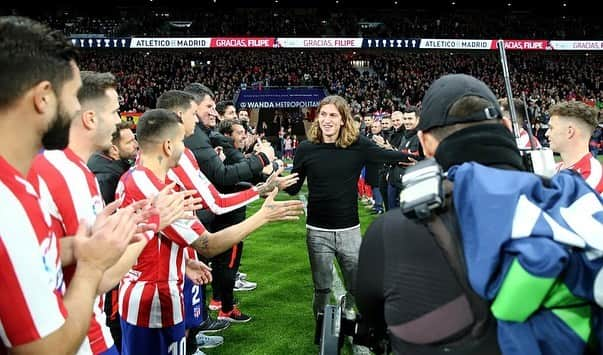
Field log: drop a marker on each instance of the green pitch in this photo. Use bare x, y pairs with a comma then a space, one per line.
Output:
276, 258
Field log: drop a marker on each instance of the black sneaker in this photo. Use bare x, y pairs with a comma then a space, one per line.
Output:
213, 325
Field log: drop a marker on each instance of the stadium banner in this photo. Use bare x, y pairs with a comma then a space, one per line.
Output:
402, 43
332, 43
439, 43
170, 42
319, 42
576, 45
293, 97
85, 42
242, 42
523, 44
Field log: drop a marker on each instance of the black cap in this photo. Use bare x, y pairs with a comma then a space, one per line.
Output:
446, 91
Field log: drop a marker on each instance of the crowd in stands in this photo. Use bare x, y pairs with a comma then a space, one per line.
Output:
299, 22
189, 134
391, 81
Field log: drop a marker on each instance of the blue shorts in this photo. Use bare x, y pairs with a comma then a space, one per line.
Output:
152, 341
194, 304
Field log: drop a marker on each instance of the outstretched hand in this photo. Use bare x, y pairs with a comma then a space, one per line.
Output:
281, 210
277, 181
286, 181
411, 161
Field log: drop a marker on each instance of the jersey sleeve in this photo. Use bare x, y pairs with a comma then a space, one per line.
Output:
188, 175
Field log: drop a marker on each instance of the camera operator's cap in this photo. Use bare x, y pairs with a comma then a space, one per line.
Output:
446, 91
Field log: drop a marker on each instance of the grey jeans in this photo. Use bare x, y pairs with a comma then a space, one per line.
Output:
323, 246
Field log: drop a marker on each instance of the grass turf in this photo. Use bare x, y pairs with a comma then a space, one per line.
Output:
275, 256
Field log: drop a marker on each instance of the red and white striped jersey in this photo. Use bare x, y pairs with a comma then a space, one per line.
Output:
192, 254
31, 300
591, 170
523, 142
150, 295
189, 177
74, 196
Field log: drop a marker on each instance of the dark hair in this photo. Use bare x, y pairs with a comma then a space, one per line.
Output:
411, 109
116, 136
222, 105
94, 85
154, 125
199, 90
465, 106
225, 126
175, 100
520, 108
30, 53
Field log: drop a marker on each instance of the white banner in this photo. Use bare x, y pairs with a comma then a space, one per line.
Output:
576, 45
319, 42
150, 42
435, 43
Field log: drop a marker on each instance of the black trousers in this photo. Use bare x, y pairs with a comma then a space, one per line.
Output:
112, 311
207, 218
224, 272
383, 189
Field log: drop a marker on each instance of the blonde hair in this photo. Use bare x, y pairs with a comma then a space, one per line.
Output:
348, 133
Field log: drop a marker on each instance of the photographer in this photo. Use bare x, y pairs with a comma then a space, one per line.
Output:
408, 285
490, 271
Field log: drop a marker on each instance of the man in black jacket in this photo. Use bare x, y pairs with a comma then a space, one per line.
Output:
212, 166
408, 143
209, 162
226, 265
397, 129
109, 165
407, 284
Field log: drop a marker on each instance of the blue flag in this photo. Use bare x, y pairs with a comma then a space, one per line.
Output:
535, 250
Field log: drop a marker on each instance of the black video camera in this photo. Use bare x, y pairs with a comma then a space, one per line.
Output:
332, 327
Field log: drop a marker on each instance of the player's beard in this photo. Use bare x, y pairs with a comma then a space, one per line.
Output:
128, 157
57, 136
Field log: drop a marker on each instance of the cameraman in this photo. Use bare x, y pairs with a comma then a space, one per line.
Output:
407, 284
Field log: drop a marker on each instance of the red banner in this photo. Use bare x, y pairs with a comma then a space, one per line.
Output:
242, 42
523, 44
